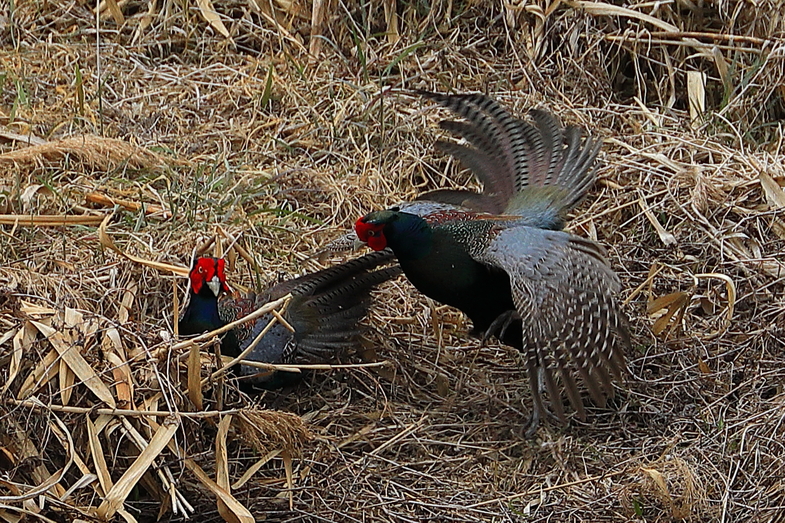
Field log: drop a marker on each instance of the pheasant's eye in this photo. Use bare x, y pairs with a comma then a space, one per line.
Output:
200, 270
373, 233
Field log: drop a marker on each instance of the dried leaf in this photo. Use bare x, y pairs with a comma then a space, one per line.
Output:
248, 474
106, 422
77, 363
603, 9
287, 466
707, 306
123, 381
674, 303
97, 452
195, 377
730, 289
126, 305
208, 13
659, 480
696, 94
778, 228
28, 195
222, 467
113, 342
22, 341
26, 449
72, 318
722, 68
775, 196
43, 373
242, 513
666, 237
119, 492
8, 335
67, 379
36, 311
664, 302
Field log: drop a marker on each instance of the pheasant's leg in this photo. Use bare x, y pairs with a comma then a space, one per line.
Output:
556, 420
511, 317
538, 406
536, 384
498, 327
534, 422
494, 327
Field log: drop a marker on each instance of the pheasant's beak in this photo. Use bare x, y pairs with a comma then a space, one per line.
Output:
357, 244
215, 285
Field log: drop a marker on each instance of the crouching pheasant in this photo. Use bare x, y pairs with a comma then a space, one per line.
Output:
502, 258
325, 311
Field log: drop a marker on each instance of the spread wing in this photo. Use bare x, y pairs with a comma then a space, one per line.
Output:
327, 319
563, 291
325, 311
536, 170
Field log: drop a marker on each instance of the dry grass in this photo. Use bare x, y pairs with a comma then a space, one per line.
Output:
178, 135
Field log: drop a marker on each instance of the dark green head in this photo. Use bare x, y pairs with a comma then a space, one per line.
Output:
406, 234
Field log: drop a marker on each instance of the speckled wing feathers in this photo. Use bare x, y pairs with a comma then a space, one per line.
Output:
325, 278
495, 138
325, 309
563, 291
232, 308
329, 320
514, 158
562, 286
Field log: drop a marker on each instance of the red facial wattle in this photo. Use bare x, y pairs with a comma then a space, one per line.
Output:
371, 233
205, 270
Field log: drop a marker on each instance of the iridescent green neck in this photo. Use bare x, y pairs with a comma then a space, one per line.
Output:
409, 236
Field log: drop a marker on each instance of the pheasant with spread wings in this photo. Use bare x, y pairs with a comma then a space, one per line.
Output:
502, 258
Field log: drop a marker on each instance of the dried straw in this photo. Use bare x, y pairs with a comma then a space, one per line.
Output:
129, 145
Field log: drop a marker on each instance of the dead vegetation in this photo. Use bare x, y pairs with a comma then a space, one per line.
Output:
128, 142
